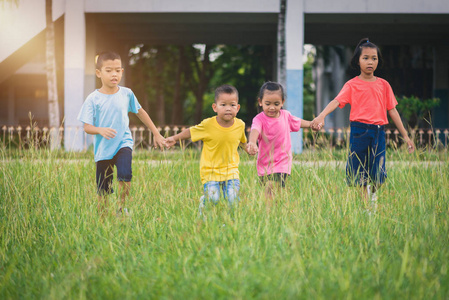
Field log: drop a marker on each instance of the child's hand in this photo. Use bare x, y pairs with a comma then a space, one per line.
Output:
169, 142
317, 123
252, 148
411, 146
159, 142
107, 133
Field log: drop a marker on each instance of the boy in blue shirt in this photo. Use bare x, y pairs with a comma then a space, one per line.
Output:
105, 115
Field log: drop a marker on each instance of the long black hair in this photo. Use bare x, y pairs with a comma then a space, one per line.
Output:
364, 43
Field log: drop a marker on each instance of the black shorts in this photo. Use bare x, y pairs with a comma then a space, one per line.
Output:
278, 177
105, 170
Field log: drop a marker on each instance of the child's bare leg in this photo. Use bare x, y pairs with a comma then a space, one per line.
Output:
123, 189
270, 187
364, 193
102, 205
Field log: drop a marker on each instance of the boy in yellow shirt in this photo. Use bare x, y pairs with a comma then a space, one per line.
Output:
221, 136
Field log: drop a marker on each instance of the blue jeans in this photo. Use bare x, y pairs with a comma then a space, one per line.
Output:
366, 161
230, 190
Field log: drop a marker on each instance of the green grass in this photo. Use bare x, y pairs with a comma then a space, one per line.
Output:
316, 242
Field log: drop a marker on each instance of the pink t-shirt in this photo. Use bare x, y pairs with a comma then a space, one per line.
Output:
369, 101
275, 155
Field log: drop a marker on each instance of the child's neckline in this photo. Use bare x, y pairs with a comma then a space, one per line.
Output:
274, 118
216, 120
374, 79
118, 89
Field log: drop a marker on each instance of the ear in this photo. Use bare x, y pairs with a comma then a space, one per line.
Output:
214, 106
260, 101
98, 73
238, 107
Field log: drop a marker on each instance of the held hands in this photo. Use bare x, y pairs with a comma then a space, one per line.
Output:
169, 142
251, 148
317, 123
159, 142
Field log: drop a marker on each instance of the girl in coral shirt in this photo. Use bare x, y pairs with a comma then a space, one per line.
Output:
370, 98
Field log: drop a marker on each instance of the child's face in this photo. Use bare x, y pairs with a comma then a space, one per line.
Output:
226, 107
111, 73
368, 60
272, 103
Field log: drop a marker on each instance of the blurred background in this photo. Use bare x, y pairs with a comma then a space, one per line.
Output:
175, 53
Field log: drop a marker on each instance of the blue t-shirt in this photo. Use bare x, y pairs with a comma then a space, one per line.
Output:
102, 110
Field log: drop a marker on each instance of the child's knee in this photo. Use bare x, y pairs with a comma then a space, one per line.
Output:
213, 195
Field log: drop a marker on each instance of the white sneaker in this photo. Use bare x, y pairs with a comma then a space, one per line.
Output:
123, 213
126, 213
372, 196
201, 206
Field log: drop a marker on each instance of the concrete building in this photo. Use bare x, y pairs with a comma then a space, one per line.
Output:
89, 26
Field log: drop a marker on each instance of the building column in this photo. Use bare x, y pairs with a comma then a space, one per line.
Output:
441, 86
11, 104
294, 42
74, 70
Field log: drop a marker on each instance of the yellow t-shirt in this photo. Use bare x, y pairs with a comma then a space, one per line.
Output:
219, 158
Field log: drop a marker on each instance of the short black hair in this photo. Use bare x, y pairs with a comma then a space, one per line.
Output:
225, 89
364, 43
106, 55
272, 87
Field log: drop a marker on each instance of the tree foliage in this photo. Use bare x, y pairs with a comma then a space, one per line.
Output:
175, 84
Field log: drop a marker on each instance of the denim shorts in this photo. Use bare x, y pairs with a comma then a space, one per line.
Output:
366, 161
105, 170
230, 190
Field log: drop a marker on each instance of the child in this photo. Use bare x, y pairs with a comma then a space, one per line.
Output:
105, 114
370, 98
221, 135
271, 129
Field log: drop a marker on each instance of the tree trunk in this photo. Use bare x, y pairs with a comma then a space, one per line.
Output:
177, 110
203, 81
282, 76
160, 104
53, 103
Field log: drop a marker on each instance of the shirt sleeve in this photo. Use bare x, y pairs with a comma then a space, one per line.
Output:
294, 123
87, 112
243, 137
198, 132
257, 124
344, 97
134, 105
390, 98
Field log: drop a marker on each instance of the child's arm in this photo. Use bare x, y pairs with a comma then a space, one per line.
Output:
106, 132
183, 135
394, 115
251, 146
245, 147
318, 122
145, 118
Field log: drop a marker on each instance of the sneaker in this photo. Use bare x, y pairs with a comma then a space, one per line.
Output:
201, 206
126, 213
123, 213
372, 196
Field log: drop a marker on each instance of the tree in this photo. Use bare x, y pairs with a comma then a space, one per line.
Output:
52, 88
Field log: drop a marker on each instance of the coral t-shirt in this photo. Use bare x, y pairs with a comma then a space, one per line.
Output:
275, 154
369, 100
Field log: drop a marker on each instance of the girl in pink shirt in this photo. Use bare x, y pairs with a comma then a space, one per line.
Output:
370, 98
271, 130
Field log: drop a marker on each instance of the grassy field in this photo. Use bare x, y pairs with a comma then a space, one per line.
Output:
316, 242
